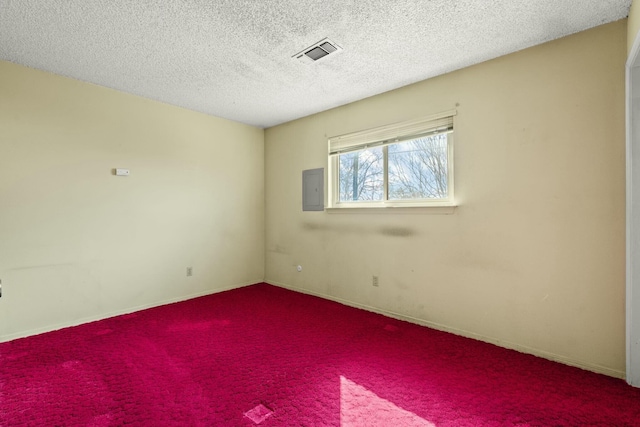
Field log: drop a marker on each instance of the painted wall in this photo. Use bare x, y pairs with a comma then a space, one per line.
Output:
633, 25
533, 257
78, 243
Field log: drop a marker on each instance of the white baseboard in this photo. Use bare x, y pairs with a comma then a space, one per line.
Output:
501, 343
49, 328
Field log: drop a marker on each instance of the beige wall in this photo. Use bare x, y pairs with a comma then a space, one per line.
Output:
77, 243
533, 257
633, 25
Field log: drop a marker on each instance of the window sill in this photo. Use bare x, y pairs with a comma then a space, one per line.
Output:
445, 209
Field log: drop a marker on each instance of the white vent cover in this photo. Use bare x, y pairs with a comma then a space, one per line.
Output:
317, 51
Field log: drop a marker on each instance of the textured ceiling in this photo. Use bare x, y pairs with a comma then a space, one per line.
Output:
232, 58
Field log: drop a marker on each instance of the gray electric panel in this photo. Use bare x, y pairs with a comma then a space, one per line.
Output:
313, 190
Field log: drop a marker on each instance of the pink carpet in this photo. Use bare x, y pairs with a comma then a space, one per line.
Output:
270, 357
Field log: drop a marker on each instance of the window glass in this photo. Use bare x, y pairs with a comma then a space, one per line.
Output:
418, 168
361, 175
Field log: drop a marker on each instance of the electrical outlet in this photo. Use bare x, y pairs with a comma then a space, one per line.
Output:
189, 271
374, 280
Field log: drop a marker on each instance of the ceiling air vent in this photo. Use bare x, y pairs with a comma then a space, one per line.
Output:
317, 51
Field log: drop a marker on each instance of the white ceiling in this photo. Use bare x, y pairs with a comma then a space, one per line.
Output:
232, 58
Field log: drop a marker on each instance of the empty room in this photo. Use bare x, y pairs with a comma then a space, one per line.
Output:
319, 213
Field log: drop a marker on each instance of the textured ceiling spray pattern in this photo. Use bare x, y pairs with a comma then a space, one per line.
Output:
233, 58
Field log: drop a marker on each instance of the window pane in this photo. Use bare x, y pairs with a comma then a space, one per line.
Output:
361, 175
418, 168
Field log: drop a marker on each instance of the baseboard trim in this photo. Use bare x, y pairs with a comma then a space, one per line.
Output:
461, 332
55, 327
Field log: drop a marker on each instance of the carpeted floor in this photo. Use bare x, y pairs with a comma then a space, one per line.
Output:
266, 356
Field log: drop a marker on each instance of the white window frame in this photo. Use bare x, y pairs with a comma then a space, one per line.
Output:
385, 136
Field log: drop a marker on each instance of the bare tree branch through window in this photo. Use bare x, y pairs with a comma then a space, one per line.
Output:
417, 169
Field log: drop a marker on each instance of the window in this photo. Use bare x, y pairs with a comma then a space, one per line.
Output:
406, 164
